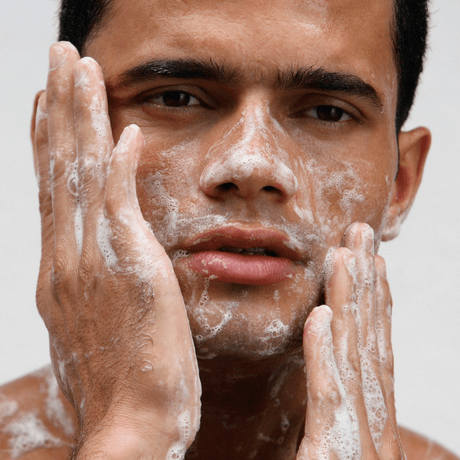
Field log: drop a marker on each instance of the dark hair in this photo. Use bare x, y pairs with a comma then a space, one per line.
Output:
79, 19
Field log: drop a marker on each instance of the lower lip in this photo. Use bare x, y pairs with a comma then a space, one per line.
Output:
229, 267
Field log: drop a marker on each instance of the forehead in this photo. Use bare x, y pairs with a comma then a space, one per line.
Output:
259, 36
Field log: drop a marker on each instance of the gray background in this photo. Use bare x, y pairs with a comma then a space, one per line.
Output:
423, 262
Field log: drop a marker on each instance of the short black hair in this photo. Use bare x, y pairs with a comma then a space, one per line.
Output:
80, 19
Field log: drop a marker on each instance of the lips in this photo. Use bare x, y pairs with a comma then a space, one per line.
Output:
242, 256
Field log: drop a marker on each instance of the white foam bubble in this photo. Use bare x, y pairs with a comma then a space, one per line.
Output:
27, 433
104, 236
7, 407
277, 328
177, 450
55, 410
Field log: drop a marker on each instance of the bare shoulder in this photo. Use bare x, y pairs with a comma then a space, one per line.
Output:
418, 447
36, 421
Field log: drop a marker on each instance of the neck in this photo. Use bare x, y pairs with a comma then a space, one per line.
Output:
251, 409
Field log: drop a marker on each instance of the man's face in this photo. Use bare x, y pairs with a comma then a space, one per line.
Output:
274, 118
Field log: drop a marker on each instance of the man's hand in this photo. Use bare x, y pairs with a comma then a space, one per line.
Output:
120, 341
349, 362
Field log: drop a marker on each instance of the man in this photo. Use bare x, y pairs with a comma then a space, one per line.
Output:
220, 171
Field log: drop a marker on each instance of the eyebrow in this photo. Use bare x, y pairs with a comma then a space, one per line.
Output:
295, 78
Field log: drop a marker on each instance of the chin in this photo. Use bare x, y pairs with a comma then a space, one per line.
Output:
248, 322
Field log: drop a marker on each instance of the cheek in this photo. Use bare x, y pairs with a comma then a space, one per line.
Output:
167, 186
339, 191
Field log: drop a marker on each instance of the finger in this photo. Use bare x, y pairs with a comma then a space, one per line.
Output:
41, 159
391, 443
341, 298
360, 240
94, 140
132, 246
124, 226
384, 311
61, 135
121, 192
36, 115
329, 426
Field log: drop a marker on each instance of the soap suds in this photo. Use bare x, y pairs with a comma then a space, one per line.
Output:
104, 236
28, 433
178, 450
55, 410
7, 407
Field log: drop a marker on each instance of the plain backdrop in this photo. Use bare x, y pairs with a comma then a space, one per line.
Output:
423, 262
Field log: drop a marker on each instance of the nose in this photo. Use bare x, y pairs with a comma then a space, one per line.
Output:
249, 160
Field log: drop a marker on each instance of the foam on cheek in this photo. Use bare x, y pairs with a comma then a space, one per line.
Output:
169, 206
331, 183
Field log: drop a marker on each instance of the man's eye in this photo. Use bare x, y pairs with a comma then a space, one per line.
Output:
174, 99
328, 113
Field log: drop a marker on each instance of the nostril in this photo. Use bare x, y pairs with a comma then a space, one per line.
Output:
227, 186
270, 189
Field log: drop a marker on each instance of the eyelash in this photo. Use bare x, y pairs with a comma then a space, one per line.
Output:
177, 95
155, 98
340, 113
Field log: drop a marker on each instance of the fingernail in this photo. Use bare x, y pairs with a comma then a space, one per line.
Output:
57, 56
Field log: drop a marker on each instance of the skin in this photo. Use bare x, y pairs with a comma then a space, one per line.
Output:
141, 344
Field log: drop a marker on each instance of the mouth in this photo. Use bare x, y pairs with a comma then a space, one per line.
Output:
250, 251
242, 255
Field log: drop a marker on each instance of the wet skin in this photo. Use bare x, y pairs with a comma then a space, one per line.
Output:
263, 117
251, 150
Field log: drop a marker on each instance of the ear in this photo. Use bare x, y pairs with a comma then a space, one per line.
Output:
33, 124
413, 150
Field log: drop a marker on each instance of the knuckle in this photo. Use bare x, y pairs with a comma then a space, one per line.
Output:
61, 274
354, 360
58, 93
327, 396
41, 138
89, 266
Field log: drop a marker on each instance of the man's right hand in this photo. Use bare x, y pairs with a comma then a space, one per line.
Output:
120, 341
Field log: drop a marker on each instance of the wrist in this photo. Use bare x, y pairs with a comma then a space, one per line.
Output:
132, 438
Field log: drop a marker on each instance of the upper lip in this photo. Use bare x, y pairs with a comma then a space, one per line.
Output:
245, 238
